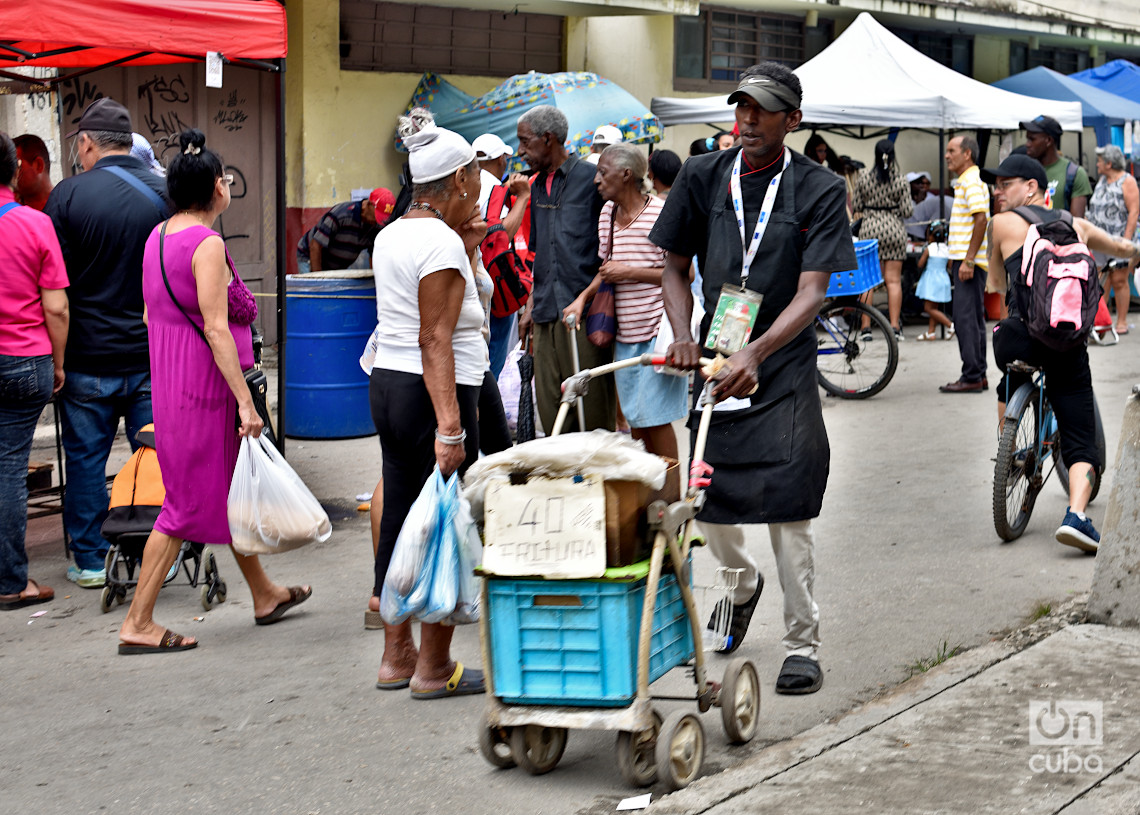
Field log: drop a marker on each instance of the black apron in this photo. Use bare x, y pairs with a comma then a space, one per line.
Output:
770, 460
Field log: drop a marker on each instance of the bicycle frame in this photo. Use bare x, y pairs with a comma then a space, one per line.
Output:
1046, 423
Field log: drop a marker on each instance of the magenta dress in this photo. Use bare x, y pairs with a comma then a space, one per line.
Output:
195, 413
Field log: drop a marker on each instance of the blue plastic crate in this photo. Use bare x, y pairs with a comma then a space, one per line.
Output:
574, 642
866, 277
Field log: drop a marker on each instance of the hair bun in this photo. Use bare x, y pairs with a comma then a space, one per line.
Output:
418, 121
191, 141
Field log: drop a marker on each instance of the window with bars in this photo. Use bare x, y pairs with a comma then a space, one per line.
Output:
1062, 60
955, 52
711, 49
376, 36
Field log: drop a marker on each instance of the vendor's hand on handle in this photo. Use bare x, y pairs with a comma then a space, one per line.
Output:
251, 424
738, 378
449, 457
684, 355
526, 326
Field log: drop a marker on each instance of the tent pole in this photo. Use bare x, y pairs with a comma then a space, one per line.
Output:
941, 174
1081, 146
282, 248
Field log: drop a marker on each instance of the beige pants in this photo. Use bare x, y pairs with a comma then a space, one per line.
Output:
794, 547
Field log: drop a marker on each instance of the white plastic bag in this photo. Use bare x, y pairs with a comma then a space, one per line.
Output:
270, 508
510, 385
431, 574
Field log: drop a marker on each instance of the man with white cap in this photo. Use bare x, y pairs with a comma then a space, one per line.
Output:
927, 207
762, 220
604, 136
492, 153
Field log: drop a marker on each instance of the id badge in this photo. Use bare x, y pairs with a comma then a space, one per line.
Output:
733, 320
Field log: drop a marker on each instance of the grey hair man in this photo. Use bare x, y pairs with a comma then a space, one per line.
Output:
564, 211
103, 218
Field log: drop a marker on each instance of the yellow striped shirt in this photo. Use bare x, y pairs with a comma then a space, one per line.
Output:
971, 196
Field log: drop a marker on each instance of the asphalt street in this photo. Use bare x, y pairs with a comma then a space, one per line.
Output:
285, 719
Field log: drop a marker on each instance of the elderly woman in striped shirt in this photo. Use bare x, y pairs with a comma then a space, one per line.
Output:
650, 401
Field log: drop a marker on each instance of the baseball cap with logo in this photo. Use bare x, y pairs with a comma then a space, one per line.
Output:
383, 200
490, 146
103, 114
767, 92
1043, 124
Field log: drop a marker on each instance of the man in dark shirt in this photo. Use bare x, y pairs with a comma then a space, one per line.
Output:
103, 218
767, 445
342, 233
564, 209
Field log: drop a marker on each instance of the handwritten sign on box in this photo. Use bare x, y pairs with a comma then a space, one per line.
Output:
547, 527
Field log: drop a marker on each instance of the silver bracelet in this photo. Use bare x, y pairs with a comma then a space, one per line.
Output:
454, 441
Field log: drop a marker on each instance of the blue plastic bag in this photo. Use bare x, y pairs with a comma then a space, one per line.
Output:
431, 574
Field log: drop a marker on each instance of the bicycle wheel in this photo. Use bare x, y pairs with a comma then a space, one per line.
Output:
1017, 473
849, 365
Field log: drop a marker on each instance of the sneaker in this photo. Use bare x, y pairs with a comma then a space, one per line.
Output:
898, 334
866, 335
87, 578
1079, 532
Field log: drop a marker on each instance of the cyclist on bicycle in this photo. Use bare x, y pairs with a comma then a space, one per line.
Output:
1021, 181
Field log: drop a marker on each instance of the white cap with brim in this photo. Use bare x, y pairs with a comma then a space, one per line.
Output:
489, 146
913, 177
435, 152
767, 93
607, 135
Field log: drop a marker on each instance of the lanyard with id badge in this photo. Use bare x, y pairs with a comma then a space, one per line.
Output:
738, 307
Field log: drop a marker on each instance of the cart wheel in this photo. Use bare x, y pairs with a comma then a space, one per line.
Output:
121, 596
107, 598
495, 745
205, 594
213, 590
220, 594
739, 701
109, 560
680, 750
537, 749
635, 754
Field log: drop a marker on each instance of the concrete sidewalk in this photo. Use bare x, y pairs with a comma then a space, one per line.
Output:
976, 734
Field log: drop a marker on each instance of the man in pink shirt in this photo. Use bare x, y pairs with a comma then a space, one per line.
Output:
33, 179
33, 334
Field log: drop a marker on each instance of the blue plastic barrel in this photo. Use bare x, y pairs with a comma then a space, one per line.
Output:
328, 322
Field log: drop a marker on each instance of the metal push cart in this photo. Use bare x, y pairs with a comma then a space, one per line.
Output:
649, 747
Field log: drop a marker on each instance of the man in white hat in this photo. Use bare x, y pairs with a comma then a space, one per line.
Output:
492, 153
604, 136
927, 207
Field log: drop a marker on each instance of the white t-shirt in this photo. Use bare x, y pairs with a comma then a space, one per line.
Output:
407, 251
487, 182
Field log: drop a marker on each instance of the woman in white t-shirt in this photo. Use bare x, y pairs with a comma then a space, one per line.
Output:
650, 401
430, 361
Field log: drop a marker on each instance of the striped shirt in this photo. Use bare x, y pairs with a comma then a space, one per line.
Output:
971, 196
638, 306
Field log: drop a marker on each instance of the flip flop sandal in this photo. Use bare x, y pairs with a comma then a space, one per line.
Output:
11, 602
464, 682
799, 675
297, 595
393, 684
741, 617
169, 643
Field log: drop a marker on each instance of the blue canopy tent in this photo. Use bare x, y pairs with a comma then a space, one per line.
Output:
587, 99
1119, 76
1101, 109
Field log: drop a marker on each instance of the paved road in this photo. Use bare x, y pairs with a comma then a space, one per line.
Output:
285, 719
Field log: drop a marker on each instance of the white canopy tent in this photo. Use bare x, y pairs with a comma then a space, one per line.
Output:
868, 76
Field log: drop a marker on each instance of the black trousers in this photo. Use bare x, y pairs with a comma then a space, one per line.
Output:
494, 433
405, 420
1068, 384
970, 321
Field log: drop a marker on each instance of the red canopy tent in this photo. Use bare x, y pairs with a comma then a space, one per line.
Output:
79, 38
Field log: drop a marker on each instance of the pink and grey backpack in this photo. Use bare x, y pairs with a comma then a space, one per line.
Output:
1059, 285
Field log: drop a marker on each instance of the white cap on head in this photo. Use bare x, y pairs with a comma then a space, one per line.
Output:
606, 134
490, 146
912, 177
433, 152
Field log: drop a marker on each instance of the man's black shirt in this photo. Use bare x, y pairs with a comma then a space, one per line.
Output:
103, 224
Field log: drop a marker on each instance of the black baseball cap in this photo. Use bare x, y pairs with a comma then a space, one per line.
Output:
768, 93
1016, 166
1043, 124
103, 114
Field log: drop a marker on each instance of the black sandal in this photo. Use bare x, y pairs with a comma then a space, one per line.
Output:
799, 675
741, 617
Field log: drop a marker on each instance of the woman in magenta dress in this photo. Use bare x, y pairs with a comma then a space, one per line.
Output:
198, 392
